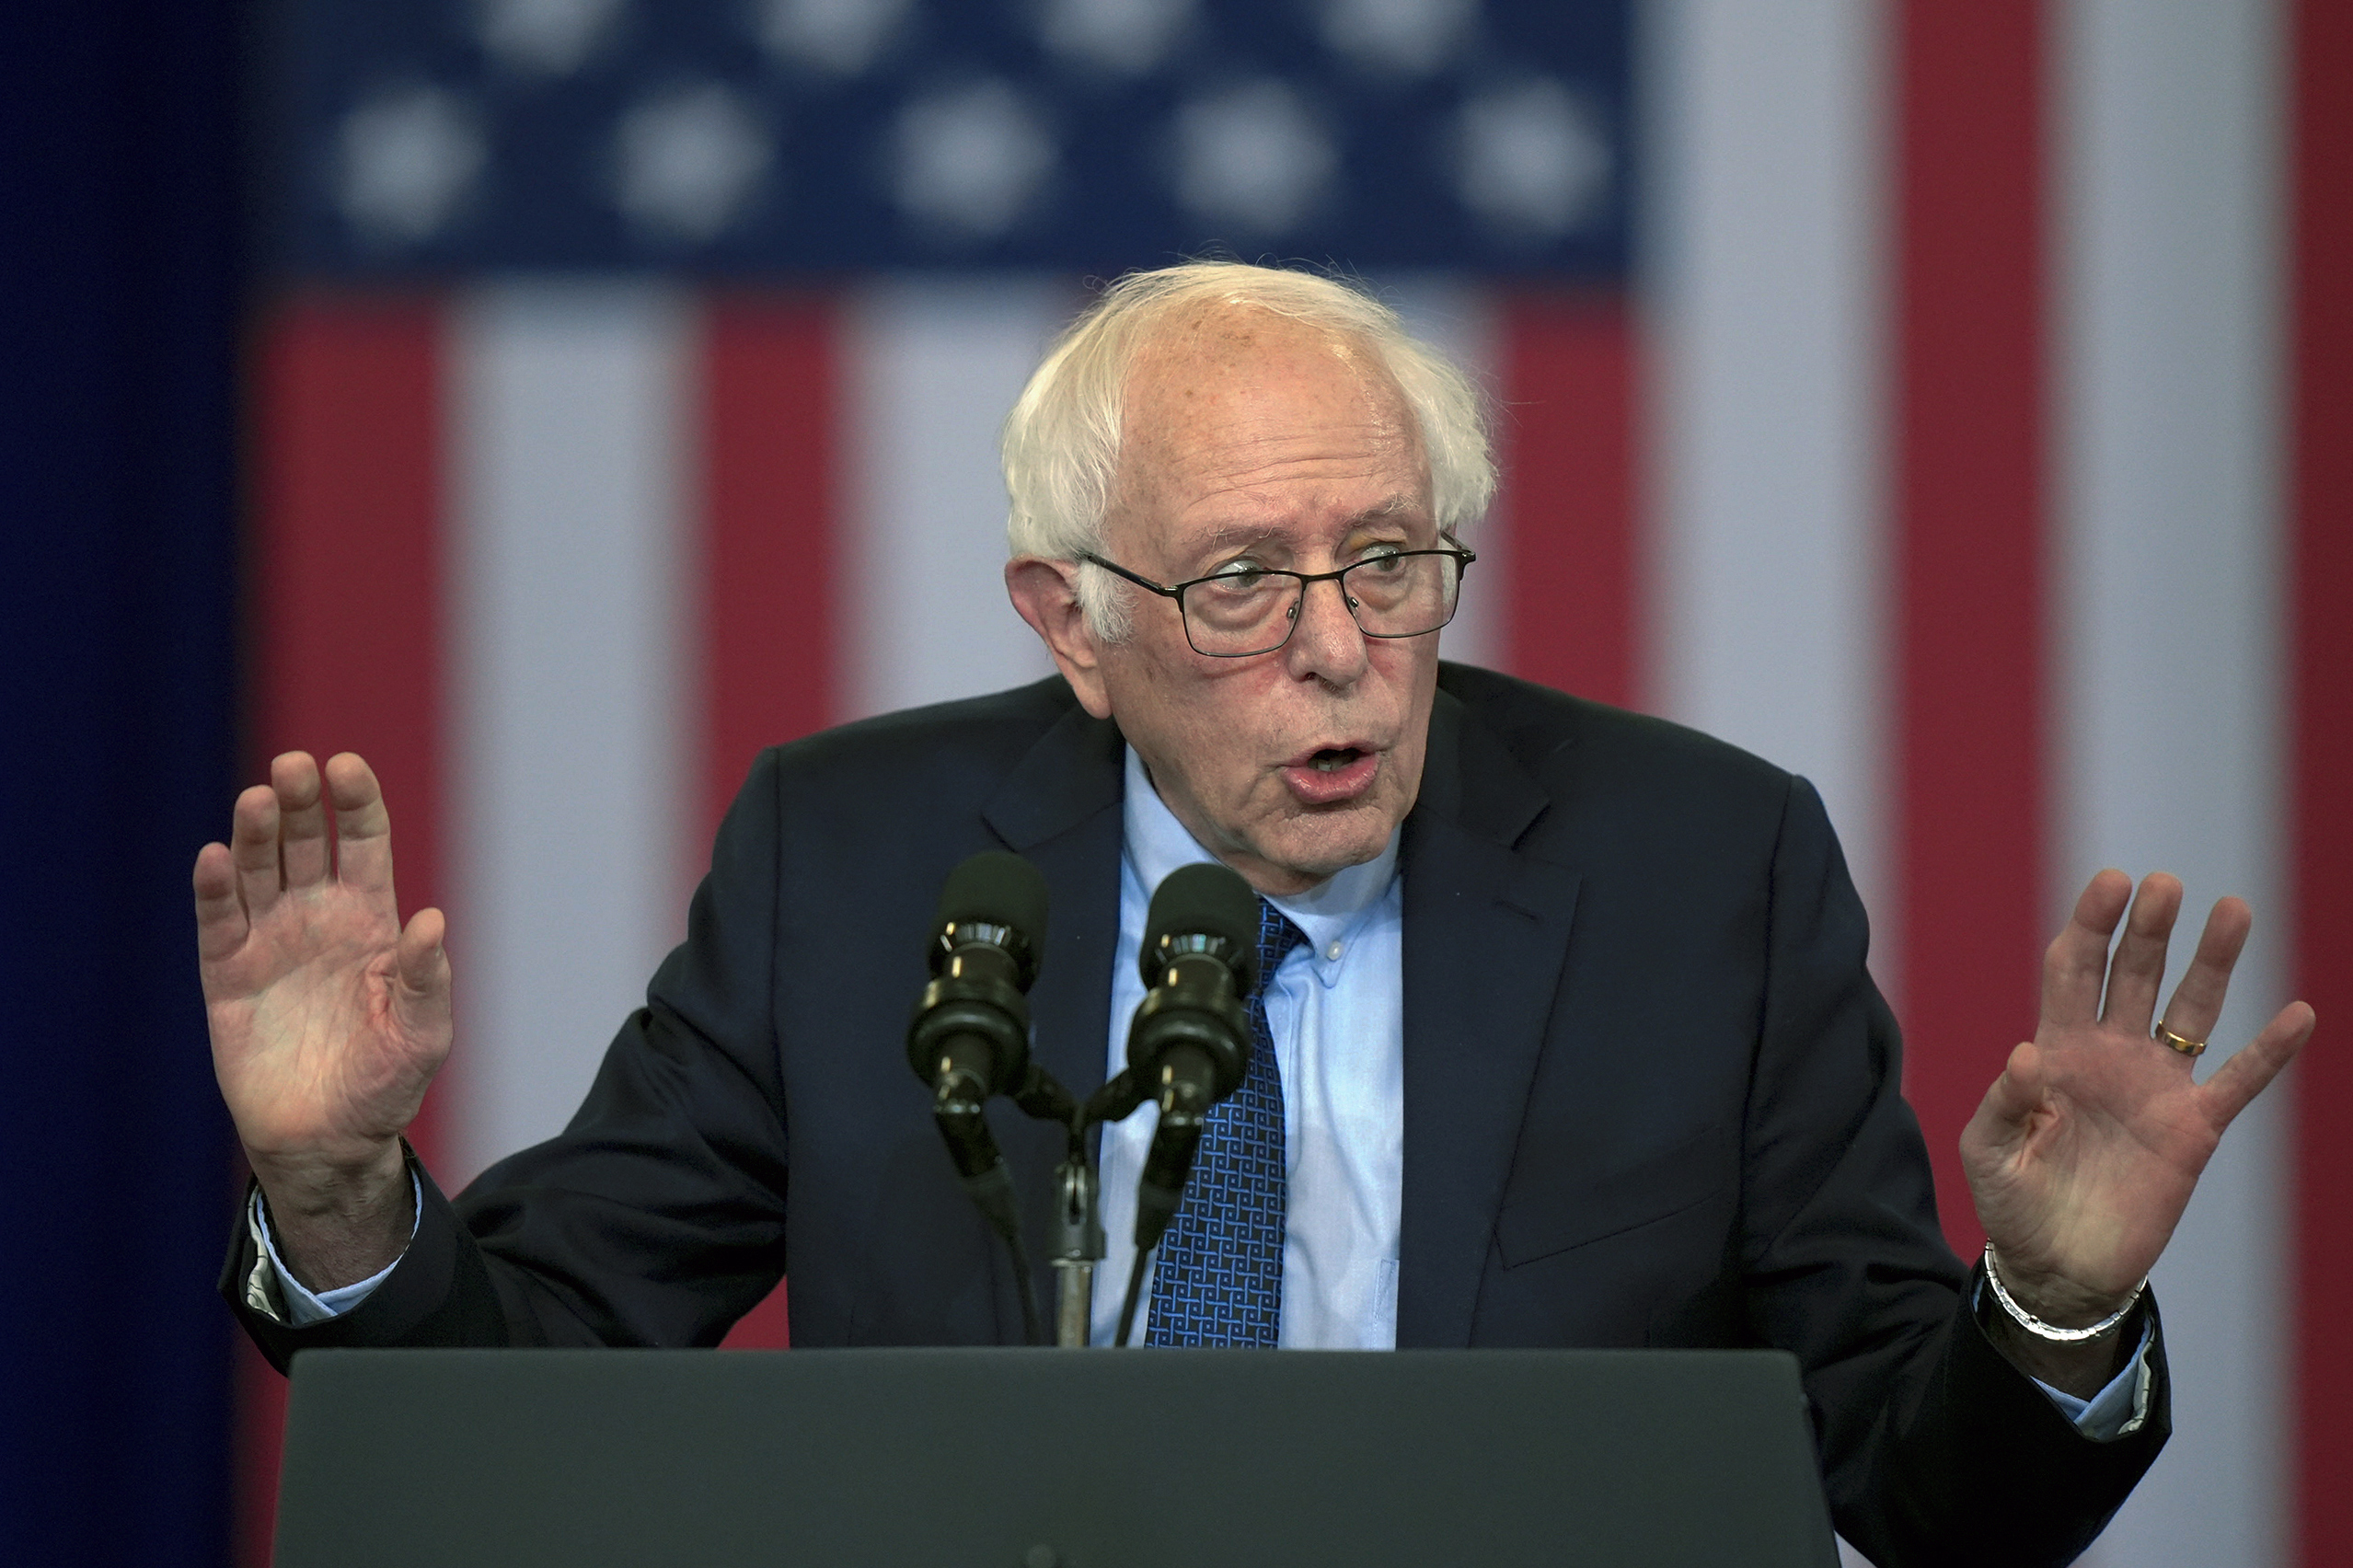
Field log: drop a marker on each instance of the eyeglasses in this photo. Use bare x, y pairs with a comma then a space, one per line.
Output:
1243, 610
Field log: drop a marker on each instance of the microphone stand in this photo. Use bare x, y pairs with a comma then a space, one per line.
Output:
1078, 1241
1078, 1219
1077, 1227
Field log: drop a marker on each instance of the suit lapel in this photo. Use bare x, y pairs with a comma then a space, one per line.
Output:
1487, 932
1060, 807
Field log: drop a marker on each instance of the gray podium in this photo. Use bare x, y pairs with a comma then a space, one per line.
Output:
1017, 1459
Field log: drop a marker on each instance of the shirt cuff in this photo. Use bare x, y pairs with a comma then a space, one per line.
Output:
2118, 1410
283, 1296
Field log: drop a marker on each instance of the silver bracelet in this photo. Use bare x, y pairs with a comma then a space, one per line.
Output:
2041, 1329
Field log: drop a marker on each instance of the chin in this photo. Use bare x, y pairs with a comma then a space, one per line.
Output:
1316, 855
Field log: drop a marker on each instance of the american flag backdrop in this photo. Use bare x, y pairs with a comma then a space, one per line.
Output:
1907, 390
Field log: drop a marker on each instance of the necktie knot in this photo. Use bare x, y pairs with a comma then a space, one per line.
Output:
1276, 937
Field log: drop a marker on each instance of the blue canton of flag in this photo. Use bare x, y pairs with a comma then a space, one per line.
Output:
822, 137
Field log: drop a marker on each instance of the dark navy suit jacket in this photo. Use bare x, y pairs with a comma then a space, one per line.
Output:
1651, 1096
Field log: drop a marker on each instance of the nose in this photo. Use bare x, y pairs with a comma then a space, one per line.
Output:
1326, 643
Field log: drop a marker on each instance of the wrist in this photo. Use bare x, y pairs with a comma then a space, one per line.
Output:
346, 1229
2077, 1358
2080, 1368
2052, 1306
345, 1189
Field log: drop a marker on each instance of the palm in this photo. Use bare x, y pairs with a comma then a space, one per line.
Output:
2086, 1149
328, 1021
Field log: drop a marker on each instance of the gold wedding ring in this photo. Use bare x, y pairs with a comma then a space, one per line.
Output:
2181, 1043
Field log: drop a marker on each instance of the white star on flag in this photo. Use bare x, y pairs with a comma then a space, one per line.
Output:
842, 37
550, 38
1253, 158
1411, 37
1129, 36
1530, 162
970, 161
686, 159
407, 158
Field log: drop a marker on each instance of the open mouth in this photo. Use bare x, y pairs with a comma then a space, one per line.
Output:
1330, 775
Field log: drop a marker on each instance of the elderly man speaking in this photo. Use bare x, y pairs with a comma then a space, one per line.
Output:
1573, 1041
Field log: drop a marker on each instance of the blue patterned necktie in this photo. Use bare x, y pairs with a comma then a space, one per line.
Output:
1218, 1278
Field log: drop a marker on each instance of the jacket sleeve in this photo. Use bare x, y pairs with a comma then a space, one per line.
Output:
1935, 1450
656, 1218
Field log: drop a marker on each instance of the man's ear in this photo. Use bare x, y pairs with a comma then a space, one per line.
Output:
1046, 595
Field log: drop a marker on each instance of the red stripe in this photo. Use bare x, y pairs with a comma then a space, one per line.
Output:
1566, 442
768, 410
345, 627
2322, 668
1969, 478
771, 486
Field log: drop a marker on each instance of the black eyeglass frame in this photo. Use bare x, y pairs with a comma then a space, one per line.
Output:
1461, 557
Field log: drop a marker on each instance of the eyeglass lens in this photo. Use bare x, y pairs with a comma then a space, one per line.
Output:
1251, 612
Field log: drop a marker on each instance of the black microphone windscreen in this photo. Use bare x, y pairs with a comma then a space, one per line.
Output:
1208, 900
998, 889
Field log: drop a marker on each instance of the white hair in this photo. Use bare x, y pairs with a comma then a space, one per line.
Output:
1061, 443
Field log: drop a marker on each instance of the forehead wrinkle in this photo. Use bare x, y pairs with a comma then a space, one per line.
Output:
1252, 458
1197, 481
1206, 490
1397, 502
1194, 361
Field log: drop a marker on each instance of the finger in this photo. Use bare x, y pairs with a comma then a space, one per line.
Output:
301, 819
221, 925
2138, 967
2198, 1001
253, 849
2077, 960
362, 825
2244, 1076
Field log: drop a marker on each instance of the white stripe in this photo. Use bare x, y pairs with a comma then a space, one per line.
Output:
932, 368
1763, 272
1762, 278
570, 765
2167, 729
1454, 317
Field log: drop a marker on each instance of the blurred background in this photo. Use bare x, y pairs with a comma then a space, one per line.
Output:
557, 401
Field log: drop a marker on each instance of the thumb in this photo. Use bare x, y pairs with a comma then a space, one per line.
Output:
421, 964
2001, 1119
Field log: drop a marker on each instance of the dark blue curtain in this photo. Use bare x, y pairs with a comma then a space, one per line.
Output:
119, 241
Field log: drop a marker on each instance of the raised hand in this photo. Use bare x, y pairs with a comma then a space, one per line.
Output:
2087, 1148
328, 1020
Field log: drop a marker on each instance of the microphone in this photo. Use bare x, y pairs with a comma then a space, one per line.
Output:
1188, 1045
970, 1036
